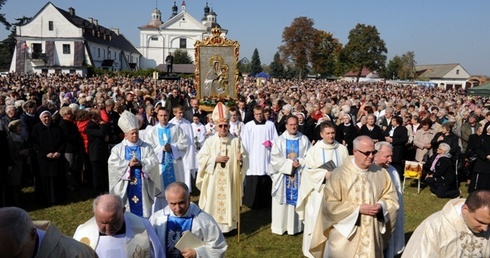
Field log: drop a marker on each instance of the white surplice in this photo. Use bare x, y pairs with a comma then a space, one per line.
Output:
179, 147
284, 216
203, 226
139, 238
253, 138
397, 241
119, 174
310, 196
189, 159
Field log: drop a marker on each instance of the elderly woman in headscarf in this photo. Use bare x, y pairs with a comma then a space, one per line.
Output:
49, 145
441, 176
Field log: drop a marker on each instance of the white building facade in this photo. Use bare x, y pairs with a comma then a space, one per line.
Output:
59, 41
181, 31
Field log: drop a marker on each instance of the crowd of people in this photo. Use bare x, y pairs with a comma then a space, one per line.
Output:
326, 157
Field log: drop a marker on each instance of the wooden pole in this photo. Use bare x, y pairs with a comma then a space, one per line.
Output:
239, 185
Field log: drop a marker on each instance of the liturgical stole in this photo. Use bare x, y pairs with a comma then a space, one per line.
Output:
292, 182
175, 228
167, 162
135, 196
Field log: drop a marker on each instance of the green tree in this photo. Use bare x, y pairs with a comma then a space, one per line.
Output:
3, 20
277, 67
298, 43
244, 65
391, 70
7, 46
182, 57
365, 49
406, 71
325, 51
255, 64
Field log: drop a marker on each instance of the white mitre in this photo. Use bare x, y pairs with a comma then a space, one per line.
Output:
127, 122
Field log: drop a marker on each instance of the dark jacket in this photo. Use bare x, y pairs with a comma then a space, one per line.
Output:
400, 139
482, 150
97, 146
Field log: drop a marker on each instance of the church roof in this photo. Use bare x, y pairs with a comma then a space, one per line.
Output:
112, 38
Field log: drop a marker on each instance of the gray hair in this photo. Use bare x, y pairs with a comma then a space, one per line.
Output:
380, 145
358, 139
445, 147
175, 186
108, 202
16, 222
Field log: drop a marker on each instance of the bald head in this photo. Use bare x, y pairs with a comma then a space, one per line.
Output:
109, 214
108, 202
17, 233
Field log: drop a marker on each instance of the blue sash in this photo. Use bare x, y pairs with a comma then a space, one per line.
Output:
292, 182
134, 190
167, 162
175, 228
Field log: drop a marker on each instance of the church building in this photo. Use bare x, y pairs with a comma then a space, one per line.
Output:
180, 31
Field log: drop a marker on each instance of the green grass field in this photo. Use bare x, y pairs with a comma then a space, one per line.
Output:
256, 239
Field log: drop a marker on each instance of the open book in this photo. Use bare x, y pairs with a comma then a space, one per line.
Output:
188, 241
330, 166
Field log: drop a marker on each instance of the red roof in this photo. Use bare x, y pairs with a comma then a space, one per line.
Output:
364, 73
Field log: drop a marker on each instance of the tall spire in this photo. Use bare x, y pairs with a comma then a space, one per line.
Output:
175, 9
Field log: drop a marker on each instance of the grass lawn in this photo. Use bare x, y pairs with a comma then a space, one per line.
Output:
256, 239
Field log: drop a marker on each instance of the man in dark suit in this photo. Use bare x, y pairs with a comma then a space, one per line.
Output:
246, 115
397, 135
195, 109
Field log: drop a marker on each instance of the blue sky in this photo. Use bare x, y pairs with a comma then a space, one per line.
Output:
438, 32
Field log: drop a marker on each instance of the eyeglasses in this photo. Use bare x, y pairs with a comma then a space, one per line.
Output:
367, 153
223, 126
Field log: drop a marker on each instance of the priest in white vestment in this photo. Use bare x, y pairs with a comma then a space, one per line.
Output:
112, 232
360, 208
133, 169
316, 172
221, 173
287, 164
257, 137
189, 159
460, 229
383, 159
170, 145
182, 215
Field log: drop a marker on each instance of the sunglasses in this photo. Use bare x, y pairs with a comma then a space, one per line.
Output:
223, 126
367, 153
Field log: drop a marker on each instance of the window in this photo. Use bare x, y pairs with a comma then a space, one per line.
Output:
109, 54
103, 53
98, 52
66, 49
50, 25
154, 38
457, 71
37, 48
183, 43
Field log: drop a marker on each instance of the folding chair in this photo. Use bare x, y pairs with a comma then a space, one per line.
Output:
412, 174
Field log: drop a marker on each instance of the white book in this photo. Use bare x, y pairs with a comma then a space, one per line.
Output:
188, 241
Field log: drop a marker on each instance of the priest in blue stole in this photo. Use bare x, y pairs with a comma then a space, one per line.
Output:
182, 215
133, 169
170, 145
287, 162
